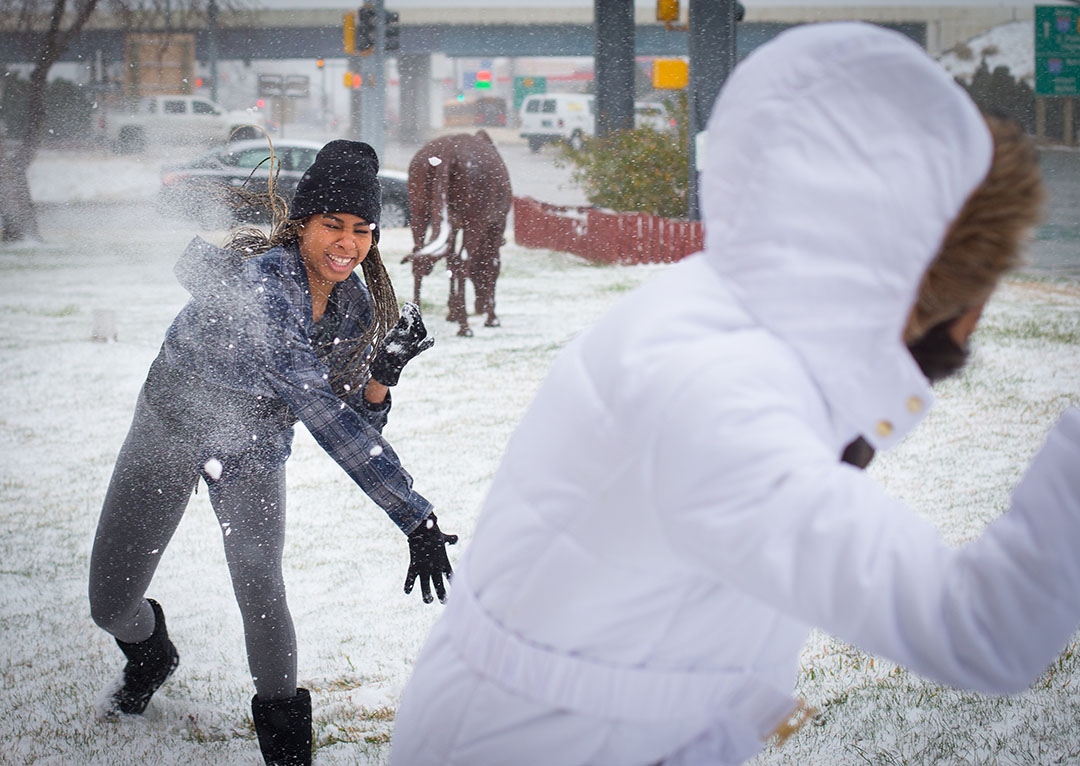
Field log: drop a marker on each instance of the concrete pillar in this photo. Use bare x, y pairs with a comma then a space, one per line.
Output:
614, 65
414, 76
711, 43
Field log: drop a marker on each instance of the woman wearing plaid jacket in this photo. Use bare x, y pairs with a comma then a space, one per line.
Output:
266, 340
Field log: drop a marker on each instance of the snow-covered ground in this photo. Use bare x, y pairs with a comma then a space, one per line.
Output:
68, 400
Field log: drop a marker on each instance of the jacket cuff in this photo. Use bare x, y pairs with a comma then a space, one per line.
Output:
413, 515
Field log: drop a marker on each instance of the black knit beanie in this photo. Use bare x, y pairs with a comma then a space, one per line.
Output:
343, 179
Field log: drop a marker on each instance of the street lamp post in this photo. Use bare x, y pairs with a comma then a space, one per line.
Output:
322, 100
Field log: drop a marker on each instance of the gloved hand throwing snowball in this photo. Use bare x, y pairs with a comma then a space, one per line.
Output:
405, 340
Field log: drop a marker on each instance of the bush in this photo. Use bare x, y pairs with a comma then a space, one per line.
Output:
640, 170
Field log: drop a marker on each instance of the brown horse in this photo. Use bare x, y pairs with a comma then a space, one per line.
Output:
459, 183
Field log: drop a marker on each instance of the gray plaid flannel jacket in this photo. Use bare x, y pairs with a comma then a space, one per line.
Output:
249, 351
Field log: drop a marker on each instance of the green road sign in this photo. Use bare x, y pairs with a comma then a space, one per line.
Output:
1057, 50
524, 86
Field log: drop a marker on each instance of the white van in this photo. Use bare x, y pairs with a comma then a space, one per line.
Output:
570, 117
652, 114
557, 117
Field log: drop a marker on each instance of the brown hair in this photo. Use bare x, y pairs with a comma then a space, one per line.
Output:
250, 241
984, 240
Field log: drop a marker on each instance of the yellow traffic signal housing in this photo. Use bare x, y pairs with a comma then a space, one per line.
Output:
350, 34
670, 74
667, 11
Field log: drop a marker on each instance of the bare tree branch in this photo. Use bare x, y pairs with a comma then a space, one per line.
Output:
53, 27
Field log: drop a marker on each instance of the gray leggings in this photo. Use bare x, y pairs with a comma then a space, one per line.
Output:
150, 487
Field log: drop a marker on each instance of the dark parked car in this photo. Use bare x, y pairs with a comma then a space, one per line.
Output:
200, 188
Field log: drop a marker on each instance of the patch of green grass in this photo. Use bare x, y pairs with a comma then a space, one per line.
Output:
368, 727
382, 738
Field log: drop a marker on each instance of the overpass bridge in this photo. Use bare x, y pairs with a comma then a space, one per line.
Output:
290, 29
262, 36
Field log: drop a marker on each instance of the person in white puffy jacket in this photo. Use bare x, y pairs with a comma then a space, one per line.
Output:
671, 517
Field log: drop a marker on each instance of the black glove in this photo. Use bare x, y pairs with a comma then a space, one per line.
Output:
859, 453
427, 559
405, 340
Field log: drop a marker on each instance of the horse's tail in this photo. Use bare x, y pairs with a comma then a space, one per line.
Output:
438, 175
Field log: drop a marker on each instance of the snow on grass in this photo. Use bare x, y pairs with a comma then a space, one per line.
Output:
68, 405
68, 402
958, 468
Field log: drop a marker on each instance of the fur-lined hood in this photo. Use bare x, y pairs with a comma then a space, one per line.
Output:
836, 161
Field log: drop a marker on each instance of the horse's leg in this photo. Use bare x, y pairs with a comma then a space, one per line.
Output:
456, 299
474, 267
487, 272
453, 267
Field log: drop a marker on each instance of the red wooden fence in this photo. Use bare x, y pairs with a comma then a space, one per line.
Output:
605, 237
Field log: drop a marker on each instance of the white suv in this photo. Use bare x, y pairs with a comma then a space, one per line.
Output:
174, 119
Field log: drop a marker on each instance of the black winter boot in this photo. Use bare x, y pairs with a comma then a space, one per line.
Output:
284, 729
150, 662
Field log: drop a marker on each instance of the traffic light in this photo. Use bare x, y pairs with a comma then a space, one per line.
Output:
483, 80
392, 31
667, 11
319, 62
365, 29
349, 30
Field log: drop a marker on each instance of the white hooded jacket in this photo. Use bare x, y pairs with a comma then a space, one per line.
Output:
672, 506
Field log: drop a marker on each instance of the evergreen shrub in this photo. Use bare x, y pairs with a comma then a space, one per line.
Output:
642, 170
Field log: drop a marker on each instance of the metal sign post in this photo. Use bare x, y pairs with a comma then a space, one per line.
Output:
373, 129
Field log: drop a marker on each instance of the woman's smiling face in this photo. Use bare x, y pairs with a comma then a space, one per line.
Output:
332, 244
